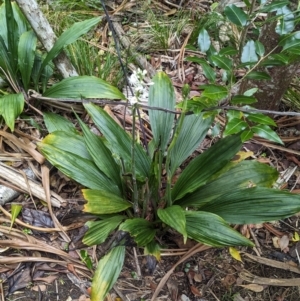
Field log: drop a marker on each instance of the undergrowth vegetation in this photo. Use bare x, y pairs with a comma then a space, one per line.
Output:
133, 186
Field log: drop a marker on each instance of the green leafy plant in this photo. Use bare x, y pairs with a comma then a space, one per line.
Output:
127, 188
231, 53
23, 66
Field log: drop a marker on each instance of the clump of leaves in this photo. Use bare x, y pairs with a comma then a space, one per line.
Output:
24, 67
231, 53
127, 188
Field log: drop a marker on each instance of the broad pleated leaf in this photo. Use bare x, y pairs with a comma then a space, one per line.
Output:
11, 106
119, 142
26, 55
254, 205
103, 202
70, 142
249, 53
107, 273
5, 62
266, 132
161, 95
175, 218
204, 40
200, 169
236, 15
212, 230
233, 177
101, 155
78, 168
12, 35
77, 88
55, 122
69, 36
99, 230
140, 229
193, 131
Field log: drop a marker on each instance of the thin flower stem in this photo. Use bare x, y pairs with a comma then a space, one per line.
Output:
174, 139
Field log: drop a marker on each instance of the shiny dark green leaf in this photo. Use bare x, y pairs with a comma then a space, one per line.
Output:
258, 75
234, 126
266, 132
236, 15
261, 119
222, 62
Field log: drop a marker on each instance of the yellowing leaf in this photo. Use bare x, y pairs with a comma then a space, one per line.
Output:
235, 254
240, 156
15, 210
296, 237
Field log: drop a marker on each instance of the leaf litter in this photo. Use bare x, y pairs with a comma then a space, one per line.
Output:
212, 273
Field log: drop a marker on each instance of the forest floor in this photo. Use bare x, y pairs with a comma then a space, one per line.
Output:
51, 269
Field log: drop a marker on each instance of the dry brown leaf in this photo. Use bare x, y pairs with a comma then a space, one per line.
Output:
195, 291
284, 243
198, 277
173, 289
40, 287
253, 287
49, 279
229, 280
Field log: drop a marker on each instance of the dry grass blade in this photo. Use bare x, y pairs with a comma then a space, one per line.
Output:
46, 185
14, 177
197, 248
